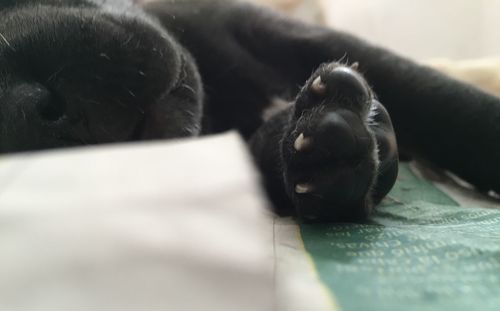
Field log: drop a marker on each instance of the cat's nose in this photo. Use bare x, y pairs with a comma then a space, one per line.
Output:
48, 106
28, 110
32, 102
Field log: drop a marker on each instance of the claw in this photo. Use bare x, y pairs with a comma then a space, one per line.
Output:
318, 86
355, 66
302, 143
303, 188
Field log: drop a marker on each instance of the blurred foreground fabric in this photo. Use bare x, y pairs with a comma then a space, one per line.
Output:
184, 225
153, 226
176, 225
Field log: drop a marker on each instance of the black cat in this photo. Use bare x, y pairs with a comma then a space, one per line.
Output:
88, 72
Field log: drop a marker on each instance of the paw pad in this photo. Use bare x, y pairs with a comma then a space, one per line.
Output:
328, 149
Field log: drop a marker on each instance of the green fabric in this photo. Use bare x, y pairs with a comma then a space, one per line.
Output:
421, 251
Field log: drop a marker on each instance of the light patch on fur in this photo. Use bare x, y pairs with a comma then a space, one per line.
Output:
276, 105
104, 55
376, 155
372, 113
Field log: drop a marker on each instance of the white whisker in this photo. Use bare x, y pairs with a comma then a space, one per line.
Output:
7, 42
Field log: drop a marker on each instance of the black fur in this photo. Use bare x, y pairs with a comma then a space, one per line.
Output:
88, 72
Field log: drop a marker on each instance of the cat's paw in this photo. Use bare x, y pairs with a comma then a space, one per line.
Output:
330, 150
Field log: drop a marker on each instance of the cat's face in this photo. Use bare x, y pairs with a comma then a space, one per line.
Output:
71, 76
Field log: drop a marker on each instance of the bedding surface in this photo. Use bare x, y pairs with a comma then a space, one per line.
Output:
157, 226
422, 250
